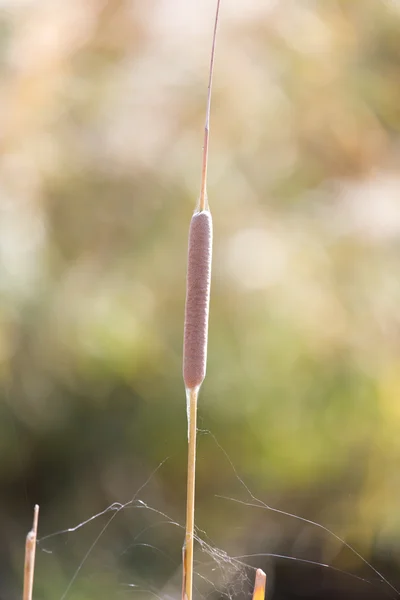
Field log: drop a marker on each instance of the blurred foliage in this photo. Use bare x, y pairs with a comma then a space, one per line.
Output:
102, 106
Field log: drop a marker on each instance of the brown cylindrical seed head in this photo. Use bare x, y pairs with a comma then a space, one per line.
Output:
197, 299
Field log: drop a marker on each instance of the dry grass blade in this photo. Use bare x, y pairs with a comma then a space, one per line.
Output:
30, 552
259, 585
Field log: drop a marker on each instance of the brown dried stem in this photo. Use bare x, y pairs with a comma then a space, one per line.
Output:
30, 551
259, 585
191, 479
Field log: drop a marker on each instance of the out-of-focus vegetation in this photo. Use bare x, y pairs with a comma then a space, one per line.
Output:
102, 109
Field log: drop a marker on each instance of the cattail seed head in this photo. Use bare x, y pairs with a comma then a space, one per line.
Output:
197, 299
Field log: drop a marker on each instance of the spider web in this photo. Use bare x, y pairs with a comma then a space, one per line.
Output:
217, 573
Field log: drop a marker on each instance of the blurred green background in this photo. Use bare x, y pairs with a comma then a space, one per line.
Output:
102, 112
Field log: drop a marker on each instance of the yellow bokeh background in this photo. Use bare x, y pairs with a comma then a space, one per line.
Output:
102, 110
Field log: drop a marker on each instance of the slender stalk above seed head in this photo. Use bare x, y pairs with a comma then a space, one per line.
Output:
203, 201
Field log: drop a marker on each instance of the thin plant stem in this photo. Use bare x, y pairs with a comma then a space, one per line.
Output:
30, 552
203, 201
191, 483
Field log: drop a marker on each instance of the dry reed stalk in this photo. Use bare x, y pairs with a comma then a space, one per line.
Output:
259, 585
196, 329
30, 552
